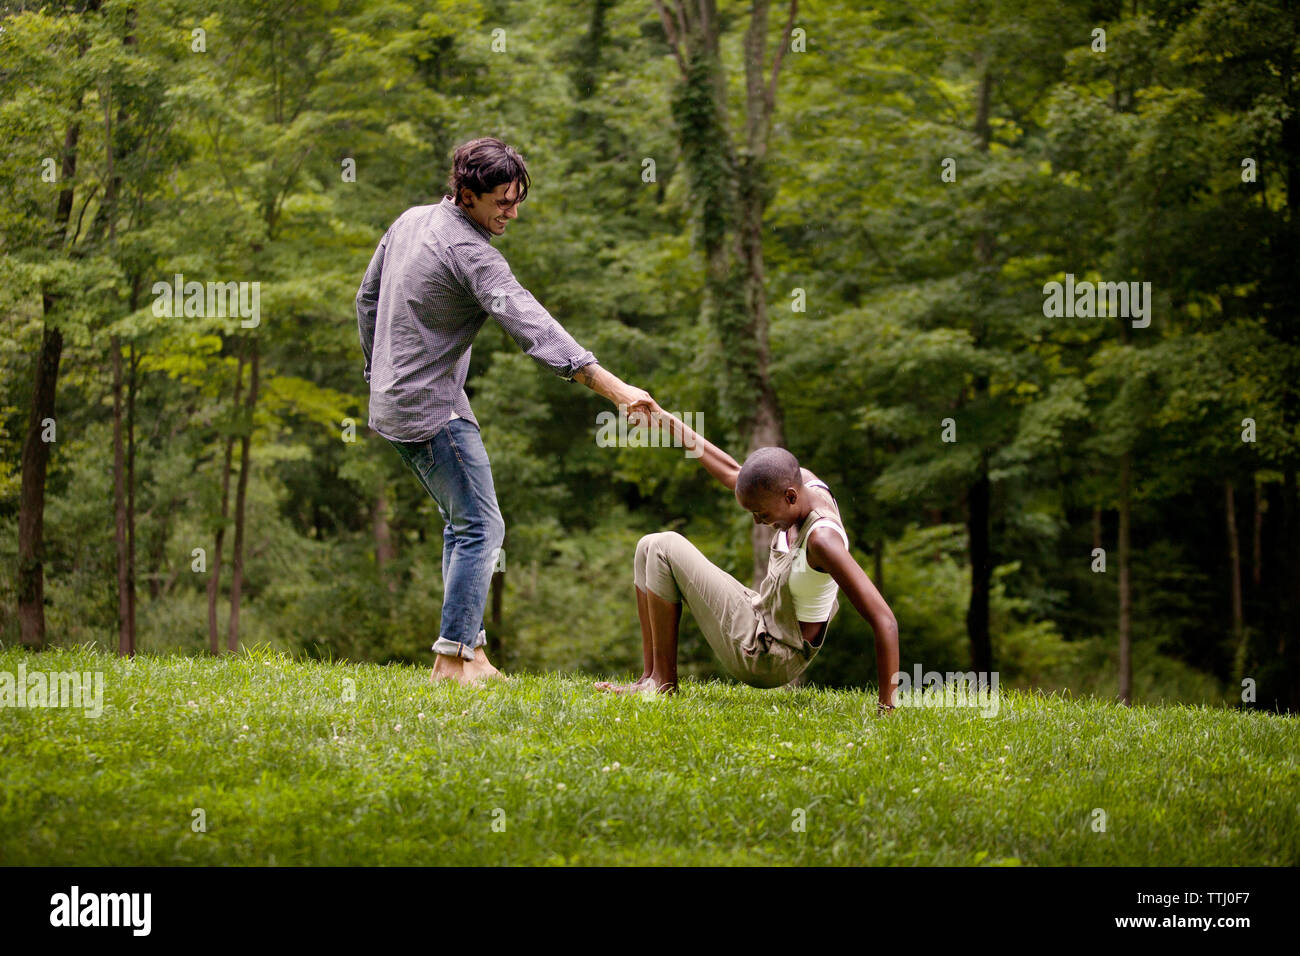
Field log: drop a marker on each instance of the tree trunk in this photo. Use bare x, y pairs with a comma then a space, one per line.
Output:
1289, 651
130, 492
766, 421
36, 451
119, 504
158, 558
214, 581
384, 552
1288, 324
157, 554
977, 614
498, 588
1257, 563
237, 559
978, 517
586, 79
1125, 645
31, 507
124, 492
730, 193
494, 647
123, 473
1234, 566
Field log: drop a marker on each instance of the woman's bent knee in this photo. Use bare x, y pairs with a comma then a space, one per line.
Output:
655, 539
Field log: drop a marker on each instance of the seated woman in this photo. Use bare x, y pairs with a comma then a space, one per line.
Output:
764, 638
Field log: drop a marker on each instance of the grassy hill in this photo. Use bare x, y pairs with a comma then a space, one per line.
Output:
287, 762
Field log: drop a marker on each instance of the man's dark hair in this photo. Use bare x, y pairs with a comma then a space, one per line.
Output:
768, 471
484, 164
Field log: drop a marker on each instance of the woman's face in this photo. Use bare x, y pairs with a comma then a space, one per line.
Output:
778, 510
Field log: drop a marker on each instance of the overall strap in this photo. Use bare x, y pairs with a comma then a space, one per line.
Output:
812, 518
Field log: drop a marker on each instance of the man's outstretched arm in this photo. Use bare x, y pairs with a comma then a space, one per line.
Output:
604, 382
489, 279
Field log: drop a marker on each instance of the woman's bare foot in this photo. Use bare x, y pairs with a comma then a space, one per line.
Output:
614, 686
611, 684
645, 684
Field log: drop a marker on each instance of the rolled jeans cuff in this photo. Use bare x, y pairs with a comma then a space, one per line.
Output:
455, 649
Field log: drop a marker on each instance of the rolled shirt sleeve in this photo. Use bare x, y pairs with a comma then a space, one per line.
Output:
488, 277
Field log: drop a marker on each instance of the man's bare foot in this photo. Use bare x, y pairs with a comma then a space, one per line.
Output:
480, 657
449, 668
480, 668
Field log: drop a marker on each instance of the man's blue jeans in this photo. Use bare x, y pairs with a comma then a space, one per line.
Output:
453, 467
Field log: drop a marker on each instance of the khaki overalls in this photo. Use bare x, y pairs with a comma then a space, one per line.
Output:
755, 634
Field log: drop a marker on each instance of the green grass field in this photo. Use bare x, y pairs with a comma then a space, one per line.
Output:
315, 763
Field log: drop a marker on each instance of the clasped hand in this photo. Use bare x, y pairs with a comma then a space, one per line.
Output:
641, 407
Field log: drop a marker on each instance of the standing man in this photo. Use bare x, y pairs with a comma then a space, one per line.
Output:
432, 283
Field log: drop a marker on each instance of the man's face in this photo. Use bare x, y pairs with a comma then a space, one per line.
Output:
492, 210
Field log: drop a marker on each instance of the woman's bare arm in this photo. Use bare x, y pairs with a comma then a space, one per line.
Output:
718, 463
826, 550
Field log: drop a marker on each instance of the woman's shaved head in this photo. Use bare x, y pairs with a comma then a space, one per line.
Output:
768, 471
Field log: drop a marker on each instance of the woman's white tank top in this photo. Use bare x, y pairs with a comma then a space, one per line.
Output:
813, 591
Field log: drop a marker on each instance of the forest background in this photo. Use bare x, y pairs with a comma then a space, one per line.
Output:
829, 226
